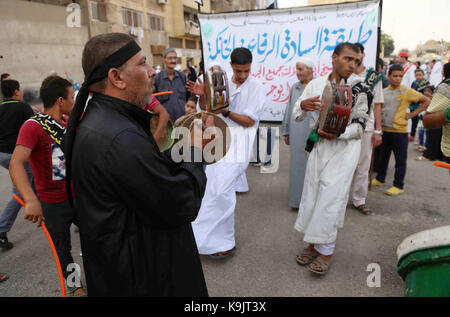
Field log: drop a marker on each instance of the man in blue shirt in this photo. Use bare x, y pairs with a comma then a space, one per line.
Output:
170, 79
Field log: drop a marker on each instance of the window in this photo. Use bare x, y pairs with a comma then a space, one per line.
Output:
155, 23
94, 10
191, 44
175, 43
98, 11
131, 18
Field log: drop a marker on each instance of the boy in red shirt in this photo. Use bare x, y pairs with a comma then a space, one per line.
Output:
39, 142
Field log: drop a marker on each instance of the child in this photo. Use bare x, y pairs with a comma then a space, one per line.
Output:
40, 143
395, 118
424, 133
189, 108
158, 109
417, 85
191, 105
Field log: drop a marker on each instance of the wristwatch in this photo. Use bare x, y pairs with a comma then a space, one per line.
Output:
380, 132
226, 114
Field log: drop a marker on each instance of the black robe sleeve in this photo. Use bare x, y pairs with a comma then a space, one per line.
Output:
161, 193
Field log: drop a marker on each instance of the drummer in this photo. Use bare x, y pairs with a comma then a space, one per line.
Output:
331, 164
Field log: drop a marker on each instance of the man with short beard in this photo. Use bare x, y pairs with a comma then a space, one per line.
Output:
331, 164
134, 204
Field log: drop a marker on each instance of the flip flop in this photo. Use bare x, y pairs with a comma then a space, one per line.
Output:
3, 277
421, 158
222, 255
307, 256
320, 263
363, 209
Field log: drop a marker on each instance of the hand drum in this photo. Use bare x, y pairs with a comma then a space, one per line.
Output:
336, 108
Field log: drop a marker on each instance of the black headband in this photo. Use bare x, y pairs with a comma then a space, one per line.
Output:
100, 72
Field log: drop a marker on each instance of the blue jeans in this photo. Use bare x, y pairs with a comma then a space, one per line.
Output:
397, 143
12, 208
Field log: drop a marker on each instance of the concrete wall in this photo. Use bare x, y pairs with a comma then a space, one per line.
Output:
35, 40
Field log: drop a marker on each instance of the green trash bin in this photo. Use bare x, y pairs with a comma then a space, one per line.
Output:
424, 263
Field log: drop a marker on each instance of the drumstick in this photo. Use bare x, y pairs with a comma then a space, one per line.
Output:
441, 164
52, 246
162, 93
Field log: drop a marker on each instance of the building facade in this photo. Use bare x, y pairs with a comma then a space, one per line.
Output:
37, 37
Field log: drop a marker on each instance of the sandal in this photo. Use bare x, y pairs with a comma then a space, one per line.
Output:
421, 158
222, 255
307, 256
321, 266
3, 277
363, 209
72, 290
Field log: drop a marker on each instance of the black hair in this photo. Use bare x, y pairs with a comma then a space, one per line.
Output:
419, 70
419, 63
361, 47
380, 62
4, 75
97, 49
447, 71
395, 67
192, 98
338, 50
431, 87
9, 87
52, 88
241, 56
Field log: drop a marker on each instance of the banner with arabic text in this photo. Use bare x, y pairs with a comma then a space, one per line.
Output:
279, 38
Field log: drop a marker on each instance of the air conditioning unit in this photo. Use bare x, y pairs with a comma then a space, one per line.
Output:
162, 1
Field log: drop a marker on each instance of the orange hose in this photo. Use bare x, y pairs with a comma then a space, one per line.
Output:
52, 246
441, 164
162, 93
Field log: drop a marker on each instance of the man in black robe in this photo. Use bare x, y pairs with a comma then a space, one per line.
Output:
134, 204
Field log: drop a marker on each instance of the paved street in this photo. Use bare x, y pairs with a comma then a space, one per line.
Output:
264, 263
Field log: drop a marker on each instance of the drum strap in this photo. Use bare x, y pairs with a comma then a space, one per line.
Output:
51, 126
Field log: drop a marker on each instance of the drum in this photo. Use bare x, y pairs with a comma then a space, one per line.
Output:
166, 141
188, 121
336, 107
216, 90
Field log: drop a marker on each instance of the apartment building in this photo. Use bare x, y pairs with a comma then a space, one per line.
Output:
156, 25
36, 38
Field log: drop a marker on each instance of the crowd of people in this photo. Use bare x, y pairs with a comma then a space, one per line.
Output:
144, 218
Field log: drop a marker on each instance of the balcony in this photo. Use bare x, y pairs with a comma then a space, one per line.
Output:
191, 28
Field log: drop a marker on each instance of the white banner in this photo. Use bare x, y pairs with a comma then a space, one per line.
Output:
278, 38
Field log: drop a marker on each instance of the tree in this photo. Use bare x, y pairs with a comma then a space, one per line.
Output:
388, 43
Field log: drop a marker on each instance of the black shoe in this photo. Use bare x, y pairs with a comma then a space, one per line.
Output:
5, 244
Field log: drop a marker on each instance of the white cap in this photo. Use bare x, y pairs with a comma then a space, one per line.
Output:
307, 62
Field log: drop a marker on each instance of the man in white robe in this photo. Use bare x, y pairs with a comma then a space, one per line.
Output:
372, 134
331, 165
436, 72
214, 226
409, 69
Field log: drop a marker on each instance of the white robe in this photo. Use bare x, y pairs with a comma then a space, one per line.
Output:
436, 74
409, 76
214, 226
329, 172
